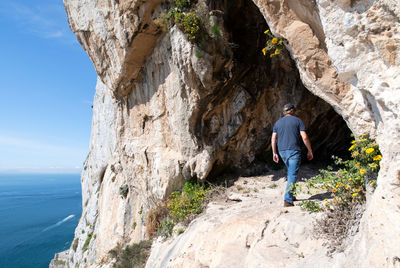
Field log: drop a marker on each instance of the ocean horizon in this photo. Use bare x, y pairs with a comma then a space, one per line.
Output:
38, 217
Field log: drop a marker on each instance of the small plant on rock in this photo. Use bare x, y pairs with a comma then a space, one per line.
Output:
181, 206
273, 45
348, 185
347, 188
188, 201
183, 3
135, 255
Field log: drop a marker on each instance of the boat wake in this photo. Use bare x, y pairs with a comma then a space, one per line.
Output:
59, 223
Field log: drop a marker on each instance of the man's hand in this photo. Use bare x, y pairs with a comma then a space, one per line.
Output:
275, 157
310, 155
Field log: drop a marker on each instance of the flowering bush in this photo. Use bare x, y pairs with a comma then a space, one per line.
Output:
188, 201
273, 44
347, 186
190, 24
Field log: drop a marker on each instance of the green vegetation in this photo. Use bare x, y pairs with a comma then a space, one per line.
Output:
131, 256
181, 206
183, 3
346, 189
194, 22
188, 201
216, 31
87, 242
310, 205
123, 190
273, 45
59, 262
75, 244
273, 185
348, 185
166, 227
190, 25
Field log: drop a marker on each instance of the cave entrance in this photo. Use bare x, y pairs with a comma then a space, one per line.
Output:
271, 83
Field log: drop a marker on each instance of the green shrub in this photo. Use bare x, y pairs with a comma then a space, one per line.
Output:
166, 227
180, 206
310, 205
87, 242
135, 255
183, 3
189, 24
216, 31
124, 190
75, 244
188, 201
348, 185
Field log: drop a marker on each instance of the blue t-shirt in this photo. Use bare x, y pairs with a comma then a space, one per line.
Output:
288, 129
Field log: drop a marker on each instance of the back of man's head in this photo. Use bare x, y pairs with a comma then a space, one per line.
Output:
288, 109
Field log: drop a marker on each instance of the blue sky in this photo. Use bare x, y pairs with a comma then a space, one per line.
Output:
47, 83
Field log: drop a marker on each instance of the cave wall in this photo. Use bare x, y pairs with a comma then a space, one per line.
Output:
163, 114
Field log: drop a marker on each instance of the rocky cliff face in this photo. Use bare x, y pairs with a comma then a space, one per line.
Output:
167, 110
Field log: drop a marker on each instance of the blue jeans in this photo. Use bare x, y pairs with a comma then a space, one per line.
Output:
291, 159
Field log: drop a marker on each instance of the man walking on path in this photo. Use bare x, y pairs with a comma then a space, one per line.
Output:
287, 131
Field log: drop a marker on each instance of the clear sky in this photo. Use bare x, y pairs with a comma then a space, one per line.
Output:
47, 84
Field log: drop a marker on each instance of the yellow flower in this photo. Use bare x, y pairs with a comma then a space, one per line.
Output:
345, 171
354, 141
362, 171
362, 135
271, 55
325, 199
274, 40
266, 31
352, 147
354, 154
264, 50
337, 186
349, 179
334, 190
373, 165
372, 182
362, 140
354, 194
369, 150
377, 157
348, 187
276, 51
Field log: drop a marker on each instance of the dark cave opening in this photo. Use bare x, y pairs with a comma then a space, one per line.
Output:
270, 83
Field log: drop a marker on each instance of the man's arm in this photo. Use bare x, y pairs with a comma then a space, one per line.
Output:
275, 156
307, 143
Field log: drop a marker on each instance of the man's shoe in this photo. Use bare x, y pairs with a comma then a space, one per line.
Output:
287, 204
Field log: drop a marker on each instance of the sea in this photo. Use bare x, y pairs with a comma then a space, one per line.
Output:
38, 216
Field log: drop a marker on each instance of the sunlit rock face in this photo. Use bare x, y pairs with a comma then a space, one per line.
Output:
167, 110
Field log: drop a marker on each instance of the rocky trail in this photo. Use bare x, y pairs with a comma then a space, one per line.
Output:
248, 228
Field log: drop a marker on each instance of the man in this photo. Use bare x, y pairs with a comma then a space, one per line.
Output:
287, 131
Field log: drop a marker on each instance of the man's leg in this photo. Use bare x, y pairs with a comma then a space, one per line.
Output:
292, 163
